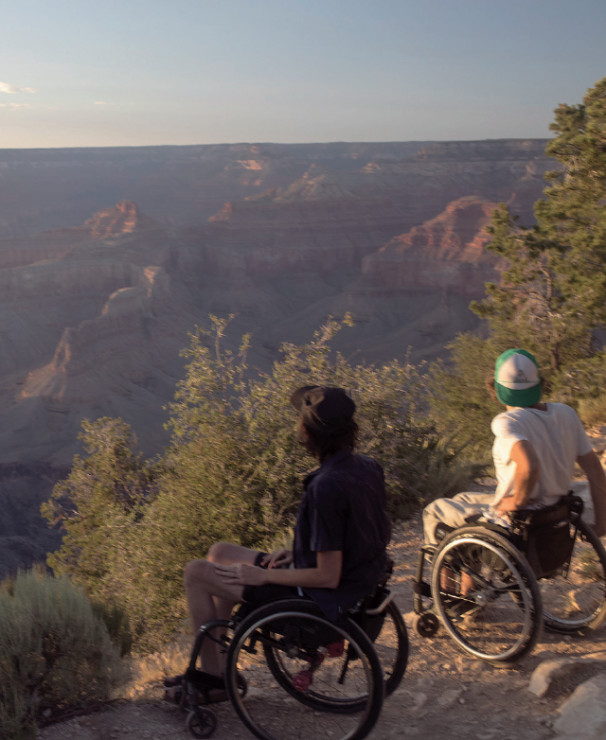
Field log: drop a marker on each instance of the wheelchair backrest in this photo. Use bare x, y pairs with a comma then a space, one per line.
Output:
546, 536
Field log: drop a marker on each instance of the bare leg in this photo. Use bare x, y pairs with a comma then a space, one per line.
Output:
448, 582
209, 598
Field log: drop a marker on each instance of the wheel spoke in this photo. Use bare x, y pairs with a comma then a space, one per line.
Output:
486, 595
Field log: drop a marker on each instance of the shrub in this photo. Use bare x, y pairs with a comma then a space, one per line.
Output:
461, 405
54, 653
593, 410
233, 471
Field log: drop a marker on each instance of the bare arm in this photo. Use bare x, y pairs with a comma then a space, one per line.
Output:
525, 477
592, 467
326, 574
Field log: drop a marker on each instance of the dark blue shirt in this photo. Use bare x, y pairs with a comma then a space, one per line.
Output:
343, 508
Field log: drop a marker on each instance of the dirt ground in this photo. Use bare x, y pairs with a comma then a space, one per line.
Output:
444, 694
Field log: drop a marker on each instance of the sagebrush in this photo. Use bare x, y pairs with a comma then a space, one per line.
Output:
55, 654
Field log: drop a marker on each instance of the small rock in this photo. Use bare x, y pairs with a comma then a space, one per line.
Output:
543, 675
583, 715
448, 698
572, 670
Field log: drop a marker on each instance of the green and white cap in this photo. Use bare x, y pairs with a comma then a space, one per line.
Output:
516, 378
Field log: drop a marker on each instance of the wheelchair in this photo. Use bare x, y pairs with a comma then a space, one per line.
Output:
493, 589
291, 673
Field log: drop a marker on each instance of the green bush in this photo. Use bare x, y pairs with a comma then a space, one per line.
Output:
55, 654
593, 410
117, 623
461, 404
233, 471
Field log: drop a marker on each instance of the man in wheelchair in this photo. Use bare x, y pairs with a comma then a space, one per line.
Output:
504, 565
341, 534
535, 449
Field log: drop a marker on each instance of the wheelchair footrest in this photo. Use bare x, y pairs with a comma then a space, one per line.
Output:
204, 681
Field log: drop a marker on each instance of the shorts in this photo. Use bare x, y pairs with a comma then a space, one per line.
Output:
257, 595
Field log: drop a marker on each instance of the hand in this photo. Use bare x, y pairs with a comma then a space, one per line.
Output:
241, 574
506, 505
278, 559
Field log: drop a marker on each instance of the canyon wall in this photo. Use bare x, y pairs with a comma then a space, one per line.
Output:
110, 257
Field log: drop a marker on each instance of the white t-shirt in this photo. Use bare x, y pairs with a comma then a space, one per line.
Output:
558, 438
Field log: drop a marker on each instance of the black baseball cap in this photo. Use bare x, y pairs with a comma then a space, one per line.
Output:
323, 407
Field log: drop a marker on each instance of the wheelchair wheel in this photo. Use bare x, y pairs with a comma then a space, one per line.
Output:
391, 646
201, 722
426, 624
388, 634
486, 595
306, 676
574, 598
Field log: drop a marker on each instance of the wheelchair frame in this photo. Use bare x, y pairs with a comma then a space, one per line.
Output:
285, 658
500, 616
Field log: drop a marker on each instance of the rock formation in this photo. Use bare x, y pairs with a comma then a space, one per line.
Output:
97, 299
446, 253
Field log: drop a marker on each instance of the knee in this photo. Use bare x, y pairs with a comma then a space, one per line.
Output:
430, 520
195, 573
430, 510
219, 552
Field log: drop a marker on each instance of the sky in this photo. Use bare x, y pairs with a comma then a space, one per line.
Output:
82, 73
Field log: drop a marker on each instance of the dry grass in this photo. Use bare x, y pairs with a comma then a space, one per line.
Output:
146, 672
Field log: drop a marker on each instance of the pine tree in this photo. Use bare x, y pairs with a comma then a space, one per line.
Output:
552, 293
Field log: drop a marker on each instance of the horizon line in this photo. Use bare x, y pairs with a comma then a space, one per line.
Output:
275, 143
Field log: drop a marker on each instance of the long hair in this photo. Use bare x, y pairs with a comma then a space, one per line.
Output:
321, 444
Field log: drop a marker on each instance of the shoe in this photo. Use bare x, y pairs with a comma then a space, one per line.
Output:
335, 649
303, 680
209, 689
171, 681
173, 695
202, 680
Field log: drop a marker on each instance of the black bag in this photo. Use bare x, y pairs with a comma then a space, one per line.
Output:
546, 536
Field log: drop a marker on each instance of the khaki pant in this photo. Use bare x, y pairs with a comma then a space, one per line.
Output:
453, 511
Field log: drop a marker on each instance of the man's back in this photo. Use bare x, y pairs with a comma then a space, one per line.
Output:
343, 508
557, 437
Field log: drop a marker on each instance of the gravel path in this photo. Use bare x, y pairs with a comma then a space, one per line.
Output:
444, 694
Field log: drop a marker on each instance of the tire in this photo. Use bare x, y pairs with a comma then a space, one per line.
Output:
574, 599
500, 619
426, 624
392, 647
279, 646
201, 722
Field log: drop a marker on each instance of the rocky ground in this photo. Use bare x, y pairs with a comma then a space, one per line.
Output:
444, 694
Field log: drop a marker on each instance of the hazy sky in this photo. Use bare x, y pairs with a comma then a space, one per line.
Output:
142, 72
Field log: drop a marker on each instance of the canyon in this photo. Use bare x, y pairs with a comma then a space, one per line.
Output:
109, 258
